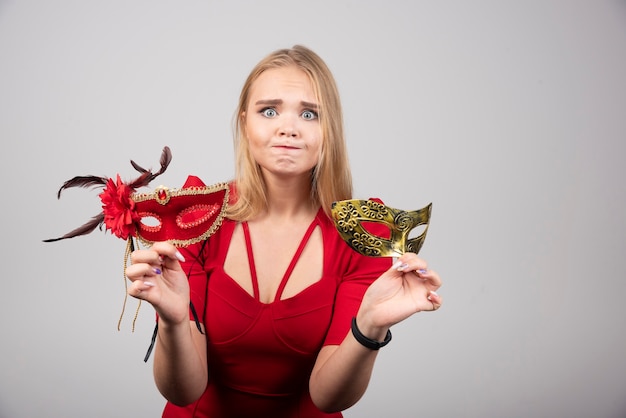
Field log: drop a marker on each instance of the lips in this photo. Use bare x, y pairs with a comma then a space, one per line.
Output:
290, 147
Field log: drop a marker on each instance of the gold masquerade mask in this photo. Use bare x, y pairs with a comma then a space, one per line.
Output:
352, 218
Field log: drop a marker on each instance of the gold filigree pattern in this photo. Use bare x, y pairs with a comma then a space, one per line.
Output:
351, 217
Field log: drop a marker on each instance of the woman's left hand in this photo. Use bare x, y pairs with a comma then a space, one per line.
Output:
406, 288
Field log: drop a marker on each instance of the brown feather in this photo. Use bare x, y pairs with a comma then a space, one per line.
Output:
147, 176
141, 181
166, 159
83, 229
95, 181
82, 181
138, 167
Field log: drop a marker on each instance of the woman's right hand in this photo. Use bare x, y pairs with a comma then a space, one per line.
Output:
158, 278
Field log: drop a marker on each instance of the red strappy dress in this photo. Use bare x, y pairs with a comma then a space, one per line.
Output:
261, 354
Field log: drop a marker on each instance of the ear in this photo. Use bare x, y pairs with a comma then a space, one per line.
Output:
242, 122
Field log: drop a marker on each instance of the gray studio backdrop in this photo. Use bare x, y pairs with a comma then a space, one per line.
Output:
510, 117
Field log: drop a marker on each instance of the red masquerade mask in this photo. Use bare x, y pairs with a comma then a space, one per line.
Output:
180, 216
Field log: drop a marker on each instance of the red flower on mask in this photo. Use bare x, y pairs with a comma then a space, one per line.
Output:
119, 209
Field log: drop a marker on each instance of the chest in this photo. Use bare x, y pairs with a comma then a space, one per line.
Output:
275, 263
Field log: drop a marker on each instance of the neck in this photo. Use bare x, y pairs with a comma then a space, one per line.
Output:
290, 198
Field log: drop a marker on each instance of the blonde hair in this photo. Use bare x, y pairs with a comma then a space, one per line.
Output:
331, 179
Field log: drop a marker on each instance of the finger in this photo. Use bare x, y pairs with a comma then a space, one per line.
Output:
403, 267
419, 267
148, 256
140, 288
159, 253
141, 271
410, 262
435, 299
429, 276
167, 251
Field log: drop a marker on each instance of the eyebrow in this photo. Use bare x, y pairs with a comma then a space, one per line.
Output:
275, 102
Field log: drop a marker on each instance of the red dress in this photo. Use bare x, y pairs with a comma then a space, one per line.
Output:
261, 355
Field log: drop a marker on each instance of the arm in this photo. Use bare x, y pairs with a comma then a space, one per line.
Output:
341, 373
180, 363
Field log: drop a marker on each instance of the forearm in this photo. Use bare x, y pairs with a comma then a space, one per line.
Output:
180, 364
343, 372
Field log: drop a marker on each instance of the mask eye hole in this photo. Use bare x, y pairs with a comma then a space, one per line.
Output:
150, 222
196, 215
417, 231
377, 229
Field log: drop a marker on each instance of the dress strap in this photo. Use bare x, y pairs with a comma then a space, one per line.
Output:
296, 257
255, 282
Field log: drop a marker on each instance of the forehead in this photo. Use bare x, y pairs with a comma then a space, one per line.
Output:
283, 83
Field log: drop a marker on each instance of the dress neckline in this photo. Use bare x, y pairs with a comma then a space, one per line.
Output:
292, 264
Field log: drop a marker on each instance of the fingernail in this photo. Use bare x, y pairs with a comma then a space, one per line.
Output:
422, 271
156, 270
432, 292
147, 283
180, 257
399, 265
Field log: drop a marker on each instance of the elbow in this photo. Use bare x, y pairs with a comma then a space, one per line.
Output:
180, 397
178, 401
182, 402
319, 400
326, 407
329, 404
331, 407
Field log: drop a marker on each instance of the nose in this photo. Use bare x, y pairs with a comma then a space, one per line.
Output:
288, 127
288, 132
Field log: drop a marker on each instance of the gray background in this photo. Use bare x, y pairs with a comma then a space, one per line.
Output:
508, 116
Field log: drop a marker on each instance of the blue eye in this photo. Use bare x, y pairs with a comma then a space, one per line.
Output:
269, 112
309, 115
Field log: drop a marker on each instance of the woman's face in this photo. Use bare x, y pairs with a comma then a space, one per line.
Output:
282, 124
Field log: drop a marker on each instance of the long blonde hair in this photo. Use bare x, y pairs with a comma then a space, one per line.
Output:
331, 179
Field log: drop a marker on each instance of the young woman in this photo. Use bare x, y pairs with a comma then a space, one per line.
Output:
290, 315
